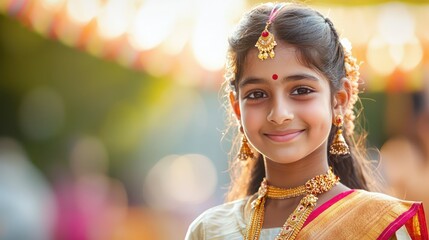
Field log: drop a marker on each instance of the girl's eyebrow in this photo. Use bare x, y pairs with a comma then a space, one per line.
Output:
295, 77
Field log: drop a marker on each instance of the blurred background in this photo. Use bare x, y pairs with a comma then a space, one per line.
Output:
111, 119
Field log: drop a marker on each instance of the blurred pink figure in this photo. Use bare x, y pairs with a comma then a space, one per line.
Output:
89, 202
88, 207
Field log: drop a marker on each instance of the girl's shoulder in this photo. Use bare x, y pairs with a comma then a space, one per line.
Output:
226, 219
383, 199
365, 215
223, 210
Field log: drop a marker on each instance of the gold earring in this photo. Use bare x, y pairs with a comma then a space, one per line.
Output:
339, 145
245, 151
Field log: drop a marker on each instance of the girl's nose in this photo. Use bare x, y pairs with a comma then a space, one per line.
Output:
280, 112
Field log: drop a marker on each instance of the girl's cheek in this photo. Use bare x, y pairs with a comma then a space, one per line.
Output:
252, 117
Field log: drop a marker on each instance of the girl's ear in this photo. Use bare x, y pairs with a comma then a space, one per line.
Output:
342, 97
235, 105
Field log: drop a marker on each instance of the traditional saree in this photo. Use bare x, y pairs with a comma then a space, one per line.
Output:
354, 214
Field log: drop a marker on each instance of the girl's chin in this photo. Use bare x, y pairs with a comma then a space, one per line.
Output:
283, 159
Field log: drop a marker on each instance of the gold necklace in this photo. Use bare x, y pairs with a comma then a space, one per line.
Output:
315, 186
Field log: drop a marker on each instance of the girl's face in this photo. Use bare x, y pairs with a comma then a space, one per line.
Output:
284, 106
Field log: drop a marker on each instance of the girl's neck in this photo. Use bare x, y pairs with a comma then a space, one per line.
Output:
293, 174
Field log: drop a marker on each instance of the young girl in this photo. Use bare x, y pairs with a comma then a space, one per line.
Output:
292, 88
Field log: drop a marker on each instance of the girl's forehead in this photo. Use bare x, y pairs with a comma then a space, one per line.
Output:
286, 63
285, 60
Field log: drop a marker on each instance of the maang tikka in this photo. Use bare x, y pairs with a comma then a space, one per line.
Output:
245, 151
266, 41
339, 145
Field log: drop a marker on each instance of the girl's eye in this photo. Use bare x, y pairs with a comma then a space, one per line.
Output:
302, 91
256, 95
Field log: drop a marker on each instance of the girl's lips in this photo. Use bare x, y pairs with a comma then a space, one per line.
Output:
285, 136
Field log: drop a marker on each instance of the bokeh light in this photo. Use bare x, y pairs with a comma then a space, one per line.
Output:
176, 42
88, 156
138, 34
53, 5
42, 18
379, 57
209, 41
27, 204
69, 34
358, 30
150, 27
180, 180
395, 24
422, 18
42, 113
114, 18
83, 11
412, 55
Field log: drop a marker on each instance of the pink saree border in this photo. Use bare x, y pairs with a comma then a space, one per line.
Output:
423, 223
326, 205
402, 219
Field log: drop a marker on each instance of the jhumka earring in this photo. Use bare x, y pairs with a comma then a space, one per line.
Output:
339, 145
266, 41
245, 151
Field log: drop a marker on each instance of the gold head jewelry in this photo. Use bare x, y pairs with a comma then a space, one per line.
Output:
294, 223
339, 145
266, 42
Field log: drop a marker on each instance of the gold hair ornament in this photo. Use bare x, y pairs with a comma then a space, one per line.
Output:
352, 74
266, 42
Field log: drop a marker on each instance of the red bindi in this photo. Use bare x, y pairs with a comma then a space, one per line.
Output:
275, 76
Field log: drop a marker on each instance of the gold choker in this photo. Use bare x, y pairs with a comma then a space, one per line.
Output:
315, 186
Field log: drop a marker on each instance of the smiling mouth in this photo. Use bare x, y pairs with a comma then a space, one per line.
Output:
283, 137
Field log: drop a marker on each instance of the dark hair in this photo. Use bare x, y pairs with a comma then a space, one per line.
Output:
318, 46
